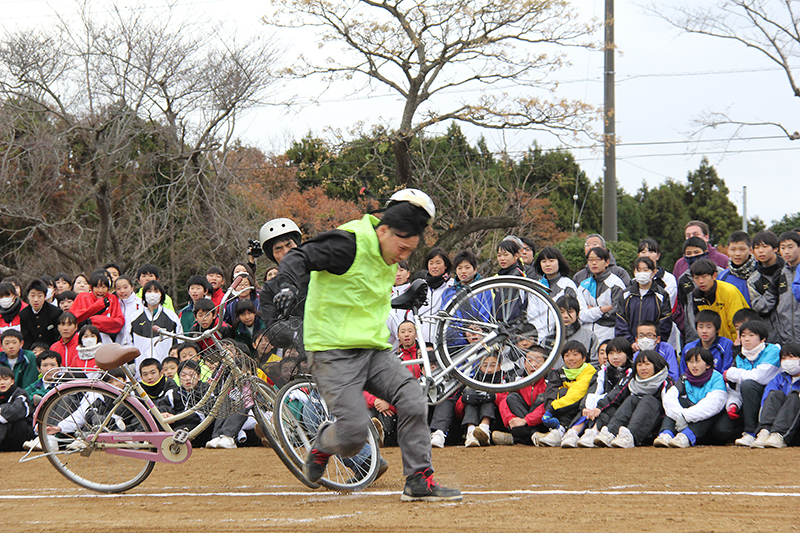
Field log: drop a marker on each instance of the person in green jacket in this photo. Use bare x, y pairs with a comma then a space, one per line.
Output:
22, 362
45, 361
352, 271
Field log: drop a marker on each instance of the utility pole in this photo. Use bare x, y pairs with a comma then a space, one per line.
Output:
744, 208
609, 132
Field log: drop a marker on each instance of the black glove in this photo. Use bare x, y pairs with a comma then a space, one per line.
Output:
476, 397
284, 300
106, 302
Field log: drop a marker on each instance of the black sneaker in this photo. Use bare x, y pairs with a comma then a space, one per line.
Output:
316, 463
421, 487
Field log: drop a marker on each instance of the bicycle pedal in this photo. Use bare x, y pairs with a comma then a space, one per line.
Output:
181, 436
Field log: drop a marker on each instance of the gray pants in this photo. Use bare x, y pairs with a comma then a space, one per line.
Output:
343, 375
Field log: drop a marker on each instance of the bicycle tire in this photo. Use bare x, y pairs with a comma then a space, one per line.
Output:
264, 411
300, 411
492, 305
96, 470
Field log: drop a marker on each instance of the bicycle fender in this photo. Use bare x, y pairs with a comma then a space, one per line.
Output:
134, 402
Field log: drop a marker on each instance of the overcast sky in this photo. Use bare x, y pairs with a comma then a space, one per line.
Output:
665, 80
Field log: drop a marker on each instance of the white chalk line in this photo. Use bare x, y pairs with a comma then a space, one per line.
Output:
520, 492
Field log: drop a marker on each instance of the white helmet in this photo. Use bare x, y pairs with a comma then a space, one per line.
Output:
278, 227
415, 197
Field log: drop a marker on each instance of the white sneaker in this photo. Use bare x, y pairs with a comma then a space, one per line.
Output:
502, 438
33, 444
213, 443
745, 440
775, 440
471, 442
437, 439
482, 435
680, 441
552, 439
537, 437
226, 442
624, 439
604, 438
570, 439
76, 445
587, 439
662, 441
761, 439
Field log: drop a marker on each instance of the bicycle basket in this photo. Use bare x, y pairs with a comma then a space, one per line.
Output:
221, 361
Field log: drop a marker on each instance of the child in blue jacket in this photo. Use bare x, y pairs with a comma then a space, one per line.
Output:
780, 404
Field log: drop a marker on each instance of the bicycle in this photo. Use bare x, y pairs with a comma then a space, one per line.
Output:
495, 317
106, 435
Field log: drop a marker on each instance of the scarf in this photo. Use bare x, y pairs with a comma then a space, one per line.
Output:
573, 373
458, 284
744, 270
615, 375
770, 271
515, 269
690, 260
434, 282
572, 329
649, 386
751, 355
6, 396
156, 389
702, 379
9, 314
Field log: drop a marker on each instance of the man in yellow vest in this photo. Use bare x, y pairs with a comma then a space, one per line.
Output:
352, 270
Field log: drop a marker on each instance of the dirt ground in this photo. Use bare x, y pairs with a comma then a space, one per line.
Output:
505, 489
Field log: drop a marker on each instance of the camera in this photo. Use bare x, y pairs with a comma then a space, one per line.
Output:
254, 248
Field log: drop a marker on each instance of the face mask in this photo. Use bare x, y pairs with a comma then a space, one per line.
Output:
50, 293
152, 298
646, 343
642, 278
690, 260
88, 342
6, 302
791, 366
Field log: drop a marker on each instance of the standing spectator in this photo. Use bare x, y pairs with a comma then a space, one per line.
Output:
597, 241
10, 306
696, 228
113, 271
81, 284
650, 248
153, 314
742, 263
216, 278
552, 271
63, 282
151, 273
39, 320
67, 345
601, 292
788, 306
131, 307
198, 288
764, 284
643, 300
526, 254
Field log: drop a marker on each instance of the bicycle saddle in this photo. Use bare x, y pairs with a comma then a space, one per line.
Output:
111, 356
415, 296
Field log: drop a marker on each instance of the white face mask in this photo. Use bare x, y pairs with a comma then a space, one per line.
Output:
642, 278
646, 344
6, 302
88, 342
152, 298
50, 293
791, 366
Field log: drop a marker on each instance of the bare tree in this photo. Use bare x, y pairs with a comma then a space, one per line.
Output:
114, 137
772, 27
424, 50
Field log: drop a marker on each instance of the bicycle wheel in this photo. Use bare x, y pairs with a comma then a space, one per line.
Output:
76, 415
264, 412
500, 317
300, 411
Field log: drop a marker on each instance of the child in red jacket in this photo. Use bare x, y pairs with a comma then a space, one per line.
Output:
522, 410
100, 307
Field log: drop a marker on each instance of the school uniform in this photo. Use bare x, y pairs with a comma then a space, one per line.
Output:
41, 326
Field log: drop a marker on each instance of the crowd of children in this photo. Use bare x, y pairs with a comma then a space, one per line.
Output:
707, 354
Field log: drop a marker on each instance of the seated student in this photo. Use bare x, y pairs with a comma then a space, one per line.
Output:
216, 278
574, 330
764, 284
640, 413
248, 294
553, 270
601, 291
179, 399
718, 296
65, 300
198, 288
88, 343
647, 338
153, 381
147, 273
15, 357
190, 351
740, 317
522, 410
39, 347
480, 414
741, 264
45, 361
100, 306
67, 345
16, 413
247, 323
693, 404
169, 367
154, 314
707, 324
10, 306
205, 315
751, 372
602, 358
131, 307
566, 387
643, 300
601, 402
39, 320
264, 351
780, 403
